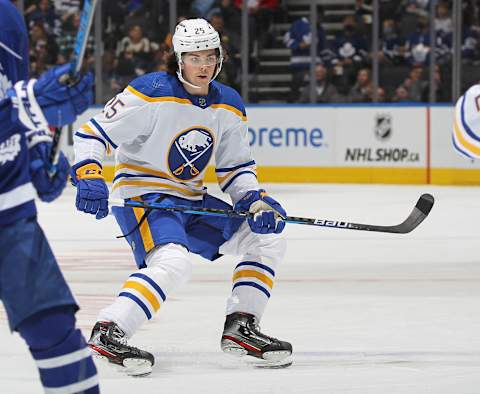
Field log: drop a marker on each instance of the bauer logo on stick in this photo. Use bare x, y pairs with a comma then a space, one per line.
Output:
190, 152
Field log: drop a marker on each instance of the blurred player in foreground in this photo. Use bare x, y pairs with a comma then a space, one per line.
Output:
466, 126
166, 126
38, 302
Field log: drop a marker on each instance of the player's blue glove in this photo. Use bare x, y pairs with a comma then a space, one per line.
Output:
48, 188
268, 213
48, 101
92, 191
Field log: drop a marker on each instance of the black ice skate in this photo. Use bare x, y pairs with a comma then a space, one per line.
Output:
241, 336
109, 342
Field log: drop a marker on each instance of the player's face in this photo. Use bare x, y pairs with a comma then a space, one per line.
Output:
199, 66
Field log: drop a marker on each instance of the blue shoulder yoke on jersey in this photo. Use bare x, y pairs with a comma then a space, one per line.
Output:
228, 96
157, 85
153, 85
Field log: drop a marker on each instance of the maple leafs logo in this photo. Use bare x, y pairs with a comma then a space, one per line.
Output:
4, 85
9, 149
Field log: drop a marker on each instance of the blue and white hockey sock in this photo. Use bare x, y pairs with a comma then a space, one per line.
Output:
67, 367
64, 362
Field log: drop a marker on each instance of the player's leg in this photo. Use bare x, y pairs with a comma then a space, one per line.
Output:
41, 308
158, 246
253, 280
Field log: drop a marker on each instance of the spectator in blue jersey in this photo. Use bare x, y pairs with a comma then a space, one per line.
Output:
37, 300
393, 46
350, 54
443, 19
418, 45
471, 44
42, 12
298, 39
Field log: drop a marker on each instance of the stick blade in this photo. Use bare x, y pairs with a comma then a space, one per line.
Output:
425, 203
421, 210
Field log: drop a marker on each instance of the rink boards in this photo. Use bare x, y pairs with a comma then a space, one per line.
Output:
408, 144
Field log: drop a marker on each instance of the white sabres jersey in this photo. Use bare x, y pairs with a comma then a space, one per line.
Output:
466, 126
164, 139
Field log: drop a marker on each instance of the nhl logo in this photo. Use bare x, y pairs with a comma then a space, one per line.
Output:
383, 126
202, 102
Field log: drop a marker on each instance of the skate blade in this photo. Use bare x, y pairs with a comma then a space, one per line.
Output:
137, 367
131, 366
274, 361
233, 349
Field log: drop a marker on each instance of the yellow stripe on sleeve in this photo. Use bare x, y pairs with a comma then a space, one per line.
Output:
223, 178
88, 130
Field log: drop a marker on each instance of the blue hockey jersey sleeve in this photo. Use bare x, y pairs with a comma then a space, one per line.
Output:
16, 191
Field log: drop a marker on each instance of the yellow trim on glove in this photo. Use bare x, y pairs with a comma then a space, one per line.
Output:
89, 171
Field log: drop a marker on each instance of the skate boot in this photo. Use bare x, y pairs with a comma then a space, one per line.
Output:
109, 342
241, 336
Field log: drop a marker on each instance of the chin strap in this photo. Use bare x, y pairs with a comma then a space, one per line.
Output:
183, 80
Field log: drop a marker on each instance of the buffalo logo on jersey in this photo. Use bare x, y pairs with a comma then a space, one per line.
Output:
190, 152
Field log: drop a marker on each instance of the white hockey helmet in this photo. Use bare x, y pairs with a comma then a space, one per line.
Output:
195, 35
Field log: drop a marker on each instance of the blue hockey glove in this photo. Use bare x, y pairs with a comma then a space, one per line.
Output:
48, 188
47, 101
268, 213
92, 191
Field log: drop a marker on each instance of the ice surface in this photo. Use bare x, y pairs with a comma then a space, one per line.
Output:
365, 312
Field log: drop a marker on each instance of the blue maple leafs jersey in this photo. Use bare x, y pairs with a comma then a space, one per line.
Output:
16, 191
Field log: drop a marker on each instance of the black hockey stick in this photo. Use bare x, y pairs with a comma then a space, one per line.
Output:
81, 40
419, 213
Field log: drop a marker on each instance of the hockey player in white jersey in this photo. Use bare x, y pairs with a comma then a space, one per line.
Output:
166, 127
466, 126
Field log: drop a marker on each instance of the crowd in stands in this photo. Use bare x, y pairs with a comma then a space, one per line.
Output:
136, 40
343, 73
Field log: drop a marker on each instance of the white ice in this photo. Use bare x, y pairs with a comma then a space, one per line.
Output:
366, 312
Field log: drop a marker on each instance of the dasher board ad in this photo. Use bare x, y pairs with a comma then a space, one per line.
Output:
380, 137
338, 136
282, 136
